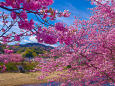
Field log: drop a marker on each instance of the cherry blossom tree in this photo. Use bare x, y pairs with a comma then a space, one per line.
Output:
87, 48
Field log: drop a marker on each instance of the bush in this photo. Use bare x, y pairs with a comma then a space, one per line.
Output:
12, 67
29, 66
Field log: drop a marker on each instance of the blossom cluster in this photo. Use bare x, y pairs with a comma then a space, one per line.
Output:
2, 68
20, 9
5, 58
7, 51
46, 35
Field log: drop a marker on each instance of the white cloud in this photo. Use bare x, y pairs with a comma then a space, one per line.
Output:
30, 39
26, 41
33, 39
55, 45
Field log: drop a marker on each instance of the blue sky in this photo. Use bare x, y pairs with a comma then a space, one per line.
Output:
78, 8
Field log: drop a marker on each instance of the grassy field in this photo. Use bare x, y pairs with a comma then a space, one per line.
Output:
17, 79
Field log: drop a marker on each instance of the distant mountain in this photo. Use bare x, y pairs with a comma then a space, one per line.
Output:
36, 45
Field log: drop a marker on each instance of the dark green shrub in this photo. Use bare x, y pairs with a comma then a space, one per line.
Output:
12, 67
29, 66
69, 66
